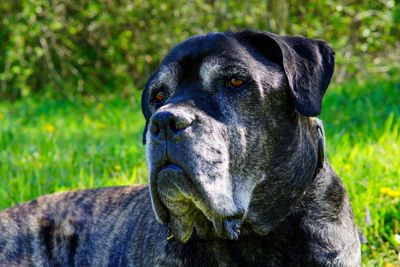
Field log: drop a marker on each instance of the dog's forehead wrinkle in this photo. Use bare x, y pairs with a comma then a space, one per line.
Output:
208, 70
167, 75
268, 77
212, 67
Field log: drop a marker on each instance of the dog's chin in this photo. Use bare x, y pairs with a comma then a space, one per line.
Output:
193, 224
177, 195
188, 215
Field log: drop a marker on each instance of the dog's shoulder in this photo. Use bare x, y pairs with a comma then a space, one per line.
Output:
53, 228
328, 222
62, 204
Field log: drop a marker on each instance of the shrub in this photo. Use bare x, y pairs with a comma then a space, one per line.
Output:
68, 48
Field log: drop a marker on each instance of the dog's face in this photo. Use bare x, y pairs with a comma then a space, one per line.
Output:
226, 145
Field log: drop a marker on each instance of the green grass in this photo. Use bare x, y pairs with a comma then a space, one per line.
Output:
48, 146
363, 144
52, 145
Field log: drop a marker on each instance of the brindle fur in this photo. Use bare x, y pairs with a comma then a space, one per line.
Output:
292, 207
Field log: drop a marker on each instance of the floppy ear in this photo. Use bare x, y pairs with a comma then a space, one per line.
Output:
320, 141
307, 63
146, 112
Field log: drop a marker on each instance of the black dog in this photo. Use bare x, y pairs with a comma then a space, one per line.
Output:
238, 175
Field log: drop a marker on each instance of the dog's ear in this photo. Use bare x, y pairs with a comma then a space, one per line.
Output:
319, 126
146, 113
307, 63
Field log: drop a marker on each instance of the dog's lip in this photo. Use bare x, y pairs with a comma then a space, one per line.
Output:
166, 165
170, 166
225, 227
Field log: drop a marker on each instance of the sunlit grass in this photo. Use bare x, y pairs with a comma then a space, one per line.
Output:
363, 144
48, 145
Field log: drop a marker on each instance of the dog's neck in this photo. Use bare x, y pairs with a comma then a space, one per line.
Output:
289, 174
296, 229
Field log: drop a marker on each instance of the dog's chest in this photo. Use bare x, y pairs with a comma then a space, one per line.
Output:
275, 250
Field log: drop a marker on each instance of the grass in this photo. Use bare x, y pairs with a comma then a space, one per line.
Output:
52, 145
48, 146
363, 144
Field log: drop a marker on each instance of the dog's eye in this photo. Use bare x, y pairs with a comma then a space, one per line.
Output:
235, 82
159, 97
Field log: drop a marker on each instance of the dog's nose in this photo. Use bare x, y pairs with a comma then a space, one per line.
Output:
166, 124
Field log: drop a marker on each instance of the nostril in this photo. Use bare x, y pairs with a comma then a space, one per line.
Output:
180, 123
166, 124
155, 128
172, 126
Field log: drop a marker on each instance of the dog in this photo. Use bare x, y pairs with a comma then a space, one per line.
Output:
237, 170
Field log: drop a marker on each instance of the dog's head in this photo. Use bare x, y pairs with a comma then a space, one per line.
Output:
230, 144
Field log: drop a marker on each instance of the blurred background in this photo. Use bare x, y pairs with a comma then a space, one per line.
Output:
85, 47
71, 74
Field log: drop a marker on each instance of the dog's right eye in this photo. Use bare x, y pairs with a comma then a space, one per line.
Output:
159, 97
235, 82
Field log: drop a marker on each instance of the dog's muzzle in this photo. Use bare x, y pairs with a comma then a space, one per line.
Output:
178, 198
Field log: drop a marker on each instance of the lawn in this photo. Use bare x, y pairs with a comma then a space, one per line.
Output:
53, 145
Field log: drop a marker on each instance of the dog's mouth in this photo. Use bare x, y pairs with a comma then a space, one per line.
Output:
188, 214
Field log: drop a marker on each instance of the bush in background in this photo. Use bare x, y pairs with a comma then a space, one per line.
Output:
68, 48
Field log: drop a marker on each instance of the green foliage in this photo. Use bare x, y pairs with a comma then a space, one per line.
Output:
52, 145
364, 33
69, 48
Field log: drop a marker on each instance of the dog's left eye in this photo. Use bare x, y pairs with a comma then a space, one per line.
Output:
235, 82
159, 97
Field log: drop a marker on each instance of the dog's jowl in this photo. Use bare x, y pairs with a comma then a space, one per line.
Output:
237, 171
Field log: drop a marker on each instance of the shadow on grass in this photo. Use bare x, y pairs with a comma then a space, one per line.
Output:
362, 110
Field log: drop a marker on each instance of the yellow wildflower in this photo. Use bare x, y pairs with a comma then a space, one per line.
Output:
117, 167
386, 191
49, 128
394, 193
1, 116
